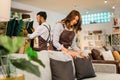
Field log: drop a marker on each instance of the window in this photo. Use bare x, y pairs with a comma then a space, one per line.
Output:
102, 17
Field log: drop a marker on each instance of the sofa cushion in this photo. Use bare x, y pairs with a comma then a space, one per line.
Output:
107, 55
83, 68
105, 76
58, 55
61, 56
61, 70
116, 55
96, 54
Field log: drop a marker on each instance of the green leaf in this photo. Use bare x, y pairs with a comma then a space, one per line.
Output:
3, 51
11, 44
31, 53
6, 42
17, 42
38, 61
23, 64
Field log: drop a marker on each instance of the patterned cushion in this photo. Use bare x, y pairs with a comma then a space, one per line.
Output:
107, 55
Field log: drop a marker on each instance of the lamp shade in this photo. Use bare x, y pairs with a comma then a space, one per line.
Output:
5, 6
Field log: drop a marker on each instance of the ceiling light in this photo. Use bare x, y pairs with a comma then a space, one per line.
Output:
105, 1
113, 7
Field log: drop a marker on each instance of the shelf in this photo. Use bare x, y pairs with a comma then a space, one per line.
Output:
93, 39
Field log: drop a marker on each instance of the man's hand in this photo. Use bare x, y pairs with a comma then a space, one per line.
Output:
32, 29
25, 32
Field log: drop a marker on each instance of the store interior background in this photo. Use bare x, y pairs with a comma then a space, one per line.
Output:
57, 10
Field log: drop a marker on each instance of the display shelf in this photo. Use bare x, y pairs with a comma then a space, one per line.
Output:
93, 39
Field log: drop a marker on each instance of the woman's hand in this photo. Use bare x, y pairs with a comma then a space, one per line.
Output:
83, 55
73, 54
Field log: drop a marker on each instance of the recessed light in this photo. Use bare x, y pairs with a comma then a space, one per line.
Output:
105, 1
113, 7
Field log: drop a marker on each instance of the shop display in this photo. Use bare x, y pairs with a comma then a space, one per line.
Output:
93, 39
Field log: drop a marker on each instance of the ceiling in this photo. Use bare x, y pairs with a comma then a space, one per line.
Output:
63, 6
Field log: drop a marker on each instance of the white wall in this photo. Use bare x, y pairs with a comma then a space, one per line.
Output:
117, 12
107, 27
52, 18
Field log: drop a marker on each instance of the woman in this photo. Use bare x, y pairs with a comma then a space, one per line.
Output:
64, 34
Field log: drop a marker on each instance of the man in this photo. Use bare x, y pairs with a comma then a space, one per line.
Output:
41, 34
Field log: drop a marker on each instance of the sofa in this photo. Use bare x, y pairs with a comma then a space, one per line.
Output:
102, 71
105, 56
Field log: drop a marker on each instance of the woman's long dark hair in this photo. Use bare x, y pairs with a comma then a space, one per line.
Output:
70, 17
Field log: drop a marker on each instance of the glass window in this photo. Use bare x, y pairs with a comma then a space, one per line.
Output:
102, 17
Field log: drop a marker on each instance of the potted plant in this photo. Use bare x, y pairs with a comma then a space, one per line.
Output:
10, 45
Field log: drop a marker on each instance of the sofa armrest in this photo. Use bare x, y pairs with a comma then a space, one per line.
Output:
105, 61
104, 68
108, 62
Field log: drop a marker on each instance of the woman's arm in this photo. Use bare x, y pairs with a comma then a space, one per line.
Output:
76, 48
58, 29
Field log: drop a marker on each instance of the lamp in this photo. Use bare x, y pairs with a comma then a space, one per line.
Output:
5, 6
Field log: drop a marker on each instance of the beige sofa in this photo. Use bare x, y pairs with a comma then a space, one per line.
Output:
103, 71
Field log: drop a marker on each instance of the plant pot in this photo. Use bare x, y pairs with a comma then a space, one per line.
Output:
19, 77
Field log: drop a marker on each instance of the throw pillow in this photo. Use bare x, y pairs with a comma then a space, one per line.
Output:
116, 55
107, 55
96, 54
61, 70
84, 68
90, 56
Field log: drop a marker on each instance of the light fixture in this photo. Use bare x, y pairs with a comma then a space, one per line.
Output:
5, 6
113, 7
105, 1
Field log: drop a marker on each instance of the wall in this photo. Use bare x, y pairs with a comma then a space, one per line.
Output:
107, 27
117, 12
53, 17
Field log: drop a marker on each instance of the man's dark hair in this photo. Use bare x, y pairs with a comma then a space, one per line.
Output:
43, 14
